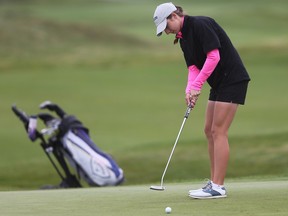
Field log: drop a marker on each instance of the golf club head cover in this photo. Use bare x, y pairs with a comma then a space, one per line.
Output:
52, 107
32, 128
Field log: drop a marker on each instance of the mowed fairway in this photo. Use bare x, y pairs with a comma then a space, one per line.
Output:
245, 198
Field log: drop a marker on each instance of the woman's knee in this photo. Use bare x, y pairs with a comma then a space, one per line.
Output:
218, 132
208, 132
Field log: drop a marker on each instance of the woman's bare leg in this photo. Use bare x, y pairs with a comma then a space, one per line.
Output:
219, 116
208, 129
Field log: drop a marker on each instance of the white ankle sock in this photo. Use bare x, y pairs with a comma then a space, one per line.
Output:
216, 185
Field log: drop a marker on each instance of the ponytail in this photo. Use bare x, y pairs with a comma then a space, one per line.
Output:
180, 13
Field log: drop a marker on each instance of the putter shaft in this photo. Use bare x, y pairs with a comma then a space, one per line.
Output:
189, 108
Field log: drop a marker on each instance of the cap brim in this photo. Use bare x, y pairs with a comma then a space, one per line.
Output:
161, 27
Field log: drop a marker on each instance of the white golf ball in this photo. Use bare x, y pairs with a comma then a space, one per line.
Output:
168, 210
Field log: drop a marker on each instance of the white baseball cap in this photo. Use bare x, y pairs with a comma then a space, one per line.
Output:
160, 16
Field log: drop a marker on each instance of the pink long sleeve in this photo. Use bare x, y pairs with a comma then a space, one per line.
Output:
213, 57
193, 72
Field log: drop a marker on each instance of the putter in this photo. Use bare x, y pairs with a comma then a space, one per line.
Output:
161, 187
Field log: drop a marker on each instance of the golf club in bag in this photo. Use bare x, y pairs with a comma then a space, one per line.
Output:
161, 187
66, 138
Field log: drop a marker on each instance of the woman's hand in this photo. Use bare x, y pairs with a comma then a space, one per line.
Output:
192, 97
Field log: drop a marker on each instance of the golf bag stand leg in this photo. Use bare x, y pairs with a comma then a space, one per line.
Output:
70, 180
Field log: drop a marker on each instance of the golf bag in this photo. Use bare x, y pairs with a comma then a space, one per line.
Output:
68, 140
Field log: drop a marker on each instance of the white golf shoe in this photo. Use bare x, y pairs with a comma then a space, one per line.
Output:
208, 182
210, 192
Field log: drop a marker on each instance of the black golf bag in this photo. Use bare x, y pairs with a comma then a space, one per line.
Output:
68, 140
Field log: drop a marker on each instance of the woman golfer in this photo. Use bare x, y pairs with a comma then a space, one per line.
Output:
210, 56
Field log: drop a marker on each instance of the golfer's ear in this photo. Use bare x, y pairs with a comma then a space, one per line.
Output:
173, 15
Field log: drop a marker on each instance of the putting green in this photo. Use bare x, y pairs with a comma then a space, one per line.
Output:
245, 198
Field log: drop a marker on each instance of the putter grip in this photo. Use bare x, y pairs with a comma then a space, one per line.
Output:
189, 108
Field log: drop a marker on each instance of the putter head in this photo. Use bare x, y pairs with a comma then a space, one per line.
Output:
158, 188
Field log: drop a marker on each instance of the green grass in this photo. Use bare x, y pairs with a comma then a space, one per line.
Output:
101, 61
257, 198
